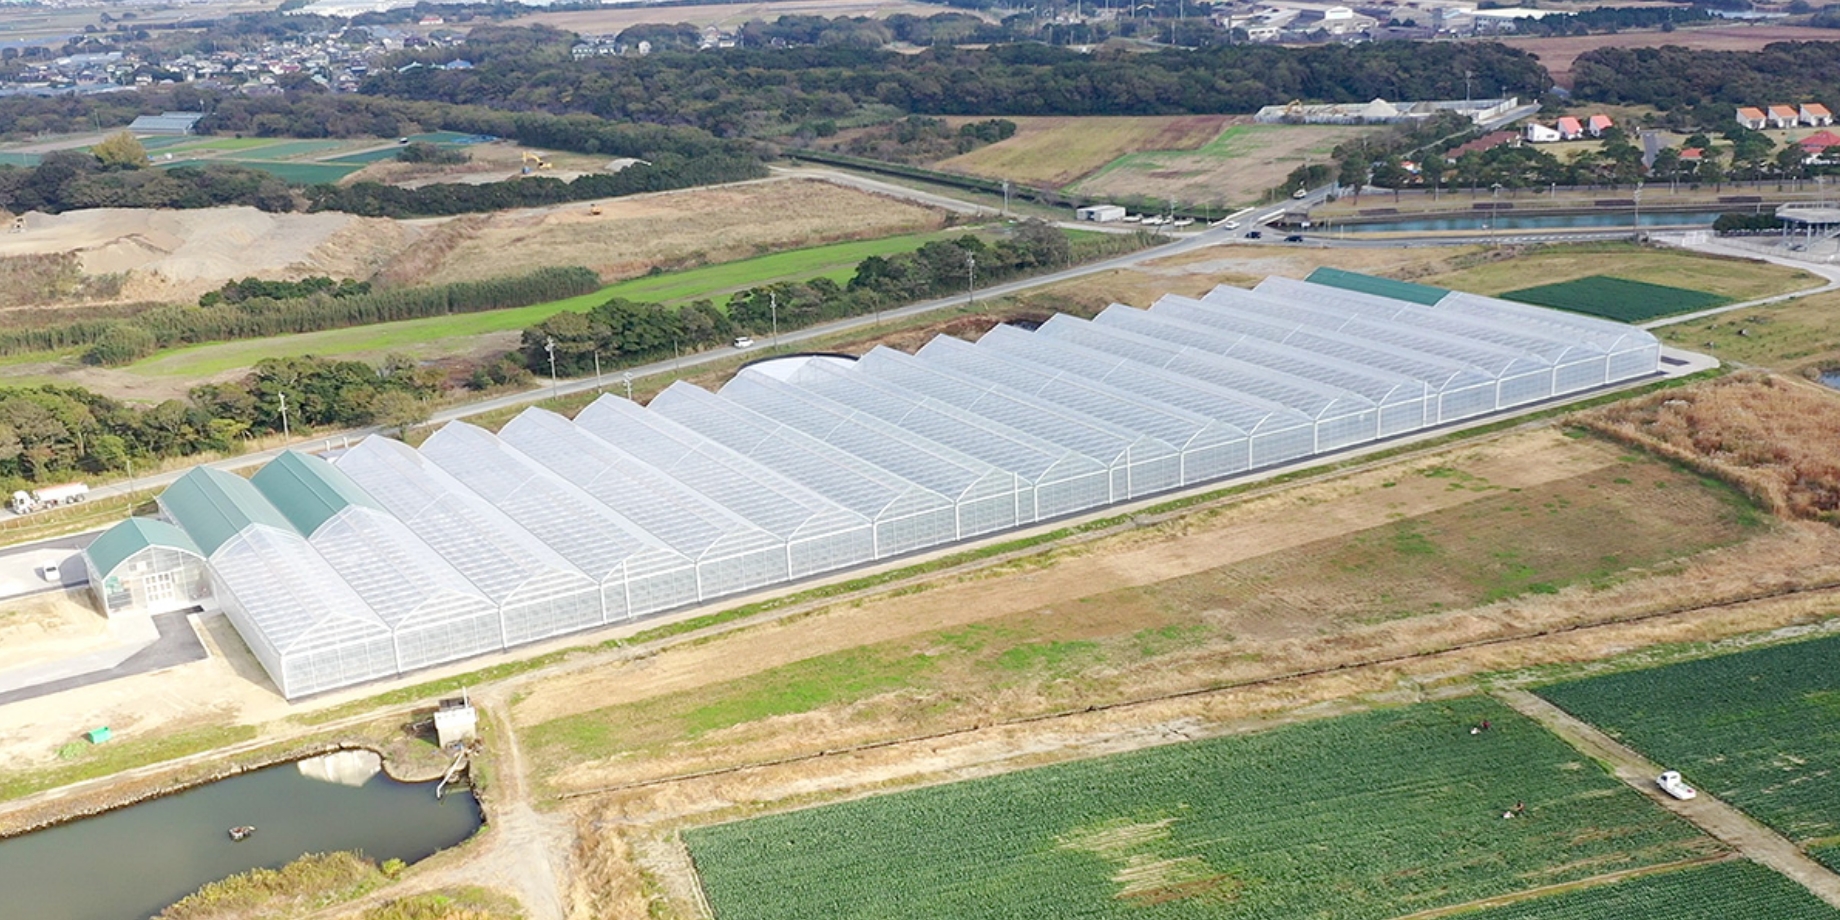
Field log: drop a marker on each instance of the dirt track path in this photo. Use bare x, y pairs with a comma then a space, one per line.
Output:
1724, 822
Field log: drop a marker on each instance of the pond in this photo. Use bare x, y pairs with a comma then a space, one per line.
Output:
133, 862
1830, 378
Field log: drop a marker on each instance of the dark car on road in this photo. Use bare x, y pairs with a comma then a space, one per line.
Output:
1253, 234
1294, 238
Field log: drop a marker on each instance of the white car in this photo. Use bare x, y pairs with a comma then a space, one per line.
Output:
1230, 224
743, 342
52, 574
1671, 783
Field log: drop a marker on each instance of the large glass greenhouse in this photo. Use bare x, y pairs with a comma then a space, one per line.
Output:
387, 559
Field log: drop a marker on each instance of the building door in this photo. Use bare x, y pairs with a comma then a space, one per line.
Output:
159, 588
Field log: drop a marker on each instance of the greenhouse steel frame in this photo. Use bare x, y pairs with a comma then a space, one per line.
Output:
389, 559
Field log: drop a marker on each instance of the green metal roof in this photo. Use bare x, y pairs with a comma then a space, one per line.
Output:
309, 491
214, 506
131, 536
1385, 287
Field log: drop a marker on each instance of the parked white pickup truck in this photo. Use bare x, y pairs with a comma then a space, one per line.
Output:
1671, 783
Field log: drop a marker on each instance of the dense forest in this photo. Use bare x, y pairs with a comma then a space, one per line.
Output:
1678, 78
747, 91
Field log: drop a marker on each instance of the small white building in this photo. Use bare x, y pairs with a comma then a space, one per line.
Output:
1782, 116
1816, 115
1752, 117
1099, 213
1540, 134
144, 566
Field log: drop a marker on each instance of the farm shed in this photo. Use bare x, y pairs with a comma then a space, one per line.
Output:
144, 566
1099, 213
389, 559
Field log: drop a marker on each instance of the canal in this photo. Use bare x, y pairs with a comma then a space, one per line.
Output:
133, 862
1509, 221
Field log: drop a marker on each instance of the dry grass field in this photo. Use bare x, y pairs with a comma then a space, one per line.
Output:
1236, 167
1558, 53
1771, 435
1054, 151
1799, 333
616, 18
669, 230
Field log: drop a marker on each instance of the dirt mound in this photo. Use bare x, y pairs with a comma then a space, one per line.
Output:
179, 254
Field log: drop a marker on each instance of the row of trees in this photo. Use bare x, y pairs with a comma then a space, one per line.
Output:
252, 288
921, 138
373, 199
55, 432
623, 331
123, 340
67, 180
1673, 77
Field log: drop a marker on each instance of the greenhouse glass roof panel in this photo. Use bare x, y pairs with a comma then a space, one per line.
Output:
495, 554
1171, 424
291, 593
669, 510
1377, 385
1246, 413
1001, 446
395, 572
580, 529
131, 536
933, 465
770, 501
1055, 424
858, 485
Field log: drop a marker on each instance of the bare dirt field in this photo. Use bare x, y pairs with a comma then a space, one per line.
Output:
1558, 53
1237, 167
667, 230
1054, 151
614, 19
177, 255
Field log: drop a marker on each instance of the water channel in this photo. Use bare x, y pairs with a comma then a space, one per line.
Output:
1830, 378
133, 862
1509, 221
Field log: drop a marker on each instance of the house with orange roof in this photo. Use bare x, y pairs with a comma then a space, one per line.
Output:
1816, 115
1598, 125
1752, 117
1783, 116
1570, 129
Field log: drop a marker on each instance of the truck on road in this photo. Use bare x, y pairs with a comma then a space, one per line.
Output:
48, 497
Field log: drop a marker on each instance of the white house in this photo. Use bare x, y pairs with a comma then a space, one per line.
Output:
1540, 134
1816, 115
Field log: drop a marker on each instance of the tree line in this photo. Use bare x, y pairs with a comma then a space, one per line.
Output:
252, 288
56, 432
622, 331
118, 341
68, 180
374, 199
1673, 77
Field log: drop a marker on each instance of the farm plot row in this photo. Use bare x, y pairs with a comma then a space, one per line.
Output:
1617, 298
1759, 729
1721, 891
1367, 816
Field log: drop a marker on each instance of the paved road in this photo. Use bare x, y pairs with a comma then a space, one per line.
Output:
1732, 827
177, 644
1714, 247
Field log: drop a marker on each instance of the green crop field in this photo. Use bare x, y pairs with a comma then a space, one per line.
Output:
229, 143
367, 157
836, 261
1759, 729
1366, 816
304, 173
1829, 855
298, 148
1721, 891
1617, 298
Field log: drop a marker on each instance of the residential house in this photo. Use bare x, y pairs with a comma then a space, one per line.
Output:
1570, 129
1815, 146
1488, 141
1783, 116
1598, 124
1752, 118
1816, 115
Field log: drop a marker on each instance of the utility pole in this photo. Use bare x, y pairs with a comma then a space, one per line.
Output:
970, 281
773, 305
1005, 197
1466, 76
549, 345
626, 377
597, 371
1638, 197
285, 434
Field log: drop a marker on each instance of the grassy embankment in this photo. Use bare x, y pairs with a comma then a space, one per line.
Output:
1735, 279
441, 334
